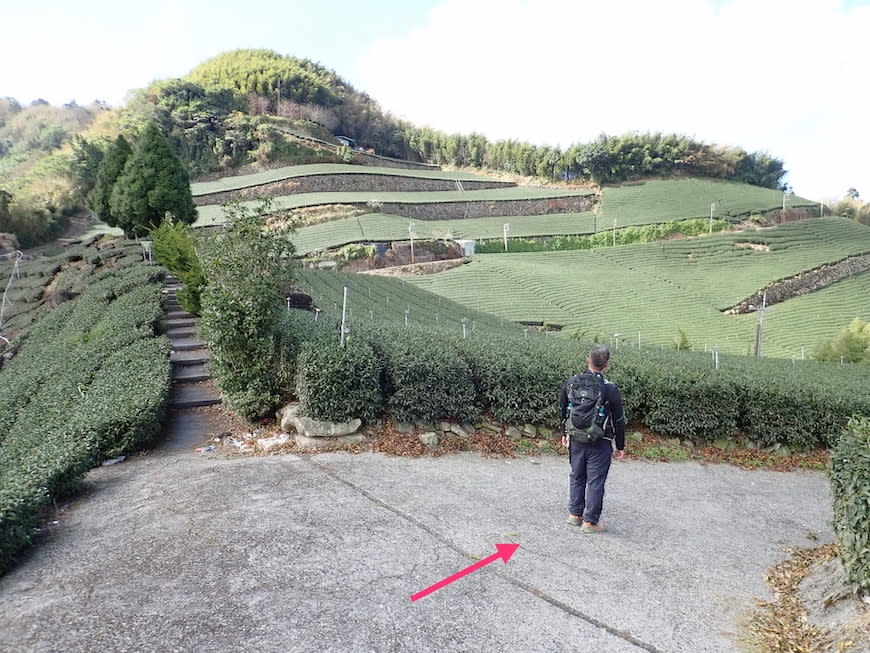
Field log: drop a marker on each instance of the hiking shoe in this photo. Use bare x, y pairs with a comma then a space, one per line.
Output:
588, 527
574, 520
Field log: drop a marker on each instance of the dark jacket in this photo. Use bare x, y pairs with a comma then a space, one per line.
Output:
614, 424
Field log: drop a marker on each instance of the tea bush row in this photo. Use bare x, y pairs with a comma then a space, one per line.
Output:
427, 374
850, 483
90, 381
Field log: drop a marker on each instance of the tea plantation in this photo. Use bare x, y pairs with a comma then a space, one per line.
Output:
646, 293
89, 378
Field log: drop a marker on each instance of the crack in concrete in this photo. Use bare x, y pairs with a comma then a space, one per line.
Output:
531, 589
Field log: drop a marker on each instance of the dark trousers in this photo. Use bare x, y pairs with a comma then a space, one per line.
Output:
590, 464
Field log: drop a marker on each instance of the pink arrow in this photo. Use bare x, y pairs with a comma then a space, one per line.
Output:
505, 551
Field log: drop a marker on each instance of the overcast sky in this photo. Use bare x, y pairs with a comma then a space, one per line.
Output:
787, 77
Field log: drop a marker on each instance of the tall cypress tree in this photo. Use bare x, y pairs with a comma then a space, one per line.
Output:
107, 174
154, 183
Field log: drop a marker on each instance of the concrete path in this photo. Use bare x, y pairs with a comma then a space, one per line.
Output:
177, 551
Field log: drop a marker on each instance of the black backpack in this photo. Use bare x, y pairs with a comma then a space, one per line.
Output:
586, 409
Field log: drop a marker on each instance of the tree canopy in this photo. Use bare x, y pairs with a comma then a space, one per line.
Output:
153, 184
110, 168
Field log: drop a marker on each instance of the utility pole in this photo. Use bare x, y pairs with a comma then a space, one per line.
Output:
278, 101
505, 229
712, 206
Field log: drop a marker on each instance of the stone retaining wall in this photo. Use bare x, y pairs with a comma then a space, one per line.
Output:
804, 283
343, 183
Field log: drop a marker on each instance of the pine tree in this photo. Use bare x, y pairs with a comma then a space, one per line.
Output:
154, 184
107, 174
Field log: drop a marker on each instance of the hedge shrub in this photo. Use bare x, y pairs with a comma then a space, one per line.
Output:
427, 374
850, 483
338, 384
90, 381
518, 384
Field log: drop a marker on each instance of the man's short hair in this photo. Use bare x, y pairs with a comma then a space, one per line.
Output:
599, 356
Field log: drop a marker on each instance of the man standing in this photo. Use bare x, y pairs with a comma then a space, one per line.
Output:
590, 456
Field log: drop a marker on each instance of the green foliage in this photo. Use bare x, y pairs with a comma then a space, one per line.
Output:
260, 72
850, 345
850, 485
108, 172
248, 271
606, 160
338, 384
423, 380
516, 376
624, 236
517, 383
153, 184
74, 400
683, 341
174, 248
355, 251
687, 283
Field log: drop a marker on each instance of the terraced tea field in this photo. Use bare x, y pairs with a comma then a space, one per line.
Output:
670, 199
649, 292
652, 202
213, 214
380, 227
389, 299
291, 172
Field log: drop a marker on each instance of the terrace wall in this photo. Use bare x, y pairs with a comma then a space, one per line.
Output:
343, 183
489, 208
804, 283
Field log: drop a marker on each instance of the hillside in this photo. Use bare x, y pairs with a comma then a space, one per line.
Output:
651, 292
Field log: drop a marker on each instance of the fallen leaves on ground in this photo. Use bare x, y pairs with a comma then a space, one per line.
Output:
781, 625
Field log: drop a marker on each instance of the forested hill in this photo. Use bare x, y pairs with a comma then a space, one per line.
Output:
259, 108
262, 82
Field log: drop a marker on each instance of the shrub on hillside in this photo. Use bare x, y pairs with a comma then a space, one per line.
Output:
850, 484
424, 377
518, 384
248, 272
174, 249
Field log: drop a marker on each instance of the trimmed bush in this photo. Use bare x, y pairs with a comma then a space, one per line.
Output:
425, 377
518, 384
338, 384
850, 483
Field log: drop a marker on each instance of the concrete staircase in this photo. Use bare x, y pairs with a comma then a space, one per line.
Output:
189, 355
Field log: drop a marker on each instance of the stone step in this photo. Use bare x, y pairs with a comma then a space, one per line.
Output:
186, 344
194, 357
181, 332
190, 373
180, 323
192, 396
178, 315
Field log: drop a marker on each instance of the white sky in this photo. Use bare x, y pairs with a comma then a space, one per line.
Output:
790, 78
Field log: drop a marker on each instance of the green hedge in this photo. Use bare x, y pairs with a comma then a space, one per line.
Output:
519, 384
338, 384
850, 483
427, 374
90, 381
